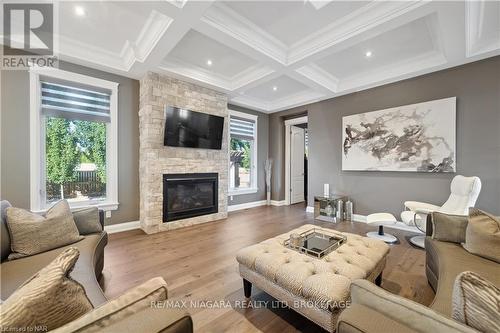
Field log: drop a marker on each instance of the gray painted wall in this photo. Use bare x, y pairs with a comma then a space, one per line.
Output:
262, 153
15, 147
477, 88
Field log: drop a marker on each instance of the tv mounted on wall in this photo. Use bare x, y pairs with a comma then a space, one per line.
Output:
186, 128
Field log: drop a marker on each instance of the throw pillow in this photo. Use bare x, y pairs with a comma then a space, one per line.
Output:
476, 302
482, 237
449, 228
48, 300
87, 220
32, 233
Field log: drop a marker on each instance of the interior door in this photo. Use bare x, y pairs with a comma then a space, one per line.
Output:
297, 150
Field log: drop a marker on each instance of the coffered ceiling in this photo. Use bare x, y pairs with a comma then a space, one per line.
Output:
270, 55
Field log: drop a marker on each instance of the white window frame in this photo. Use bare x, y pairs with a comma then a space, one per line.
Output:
37, 140
254, 188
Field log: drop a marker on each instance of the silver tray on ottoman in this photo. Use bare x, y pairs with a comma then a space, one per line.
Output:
315, 242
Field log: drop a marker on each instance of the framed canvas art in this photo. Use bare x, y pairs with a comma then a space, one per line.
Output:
418, 137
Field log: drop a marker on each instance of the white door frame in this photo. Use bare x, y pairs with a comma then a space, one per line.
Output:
288, 123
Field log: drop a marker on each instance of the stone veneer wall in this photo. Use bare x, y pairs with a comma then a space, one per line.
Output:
156, 92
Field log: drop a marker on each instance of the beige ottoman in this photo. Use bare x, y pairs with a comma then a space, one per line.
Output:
316, 288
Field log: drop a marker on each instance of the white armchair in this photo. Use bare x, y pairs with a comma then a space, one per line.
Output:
464, 193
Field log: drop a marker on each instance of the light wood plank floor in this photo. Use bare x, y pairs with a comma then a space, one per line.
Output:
199, 264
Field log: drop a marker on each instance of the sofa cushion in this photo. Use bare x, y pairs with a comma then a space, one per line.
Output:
483, 235
15, 272
4, 231
87, 220
32, 233
141, 309
360, 319
453, 259
449, 228
49, 299
476, 302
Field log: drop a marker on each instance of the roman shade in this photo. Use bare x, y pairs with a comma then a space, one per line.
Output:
242, 128
68, 101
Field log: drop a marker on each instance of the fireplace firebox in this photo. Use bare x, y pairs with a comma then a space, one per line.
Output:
189, 194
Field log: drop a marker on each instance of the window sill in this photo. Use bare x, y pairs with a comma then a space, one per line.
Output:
106, 206
243, 191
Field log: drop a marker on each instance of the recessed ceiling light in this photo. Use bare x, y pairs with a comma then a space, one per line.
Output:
79, 11
209, 62
275, 88
368, 54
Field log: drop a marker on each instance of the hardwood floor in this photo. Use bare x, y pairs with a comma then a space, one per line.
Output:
199, 264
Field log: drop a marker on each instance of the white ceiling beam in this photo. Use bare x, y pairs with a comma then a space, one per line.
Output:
230, 28
190, 14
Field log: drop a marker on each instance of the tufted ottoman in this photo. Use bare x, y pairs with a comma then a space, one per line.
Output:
316, 288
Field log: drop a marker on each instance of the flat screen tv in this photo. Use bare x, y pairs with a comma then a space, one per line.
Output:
186, 128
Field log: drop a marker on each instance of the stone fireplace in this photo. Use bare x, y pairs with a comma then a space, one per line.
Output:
185, 200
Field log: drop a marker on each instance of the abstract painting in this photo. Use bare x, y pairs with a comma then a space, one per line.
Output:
418, 137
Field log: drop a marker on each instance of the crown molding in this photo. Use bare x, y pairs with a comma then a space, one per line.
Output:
154, 28
318, 4
152, 31
251, 102
74, 49
226, 20
363, 19
177, 3
188, 71
315, 73
301, 98
475, 42
393, 72
287, 102
250, 75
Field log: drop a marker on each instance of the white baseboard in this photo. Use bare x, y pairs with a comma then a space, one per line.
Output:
278, 203
309, 209
246, 205
114, 228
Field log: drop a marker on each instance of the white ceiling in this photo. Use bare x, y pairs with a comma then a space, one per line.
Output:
308, 50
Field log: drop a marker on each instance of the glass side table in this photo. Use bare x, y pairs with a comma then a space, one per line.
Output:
329, 209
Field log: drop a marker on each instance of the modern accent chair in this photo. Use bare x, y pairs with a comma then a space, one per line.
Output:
464, 193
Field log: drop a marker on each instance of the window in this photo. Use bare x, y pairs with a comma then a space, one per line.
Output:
73, 146
242, 153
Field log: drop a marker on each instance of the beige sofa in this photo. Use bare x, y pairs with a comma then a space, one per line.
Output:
376, 310
122, 314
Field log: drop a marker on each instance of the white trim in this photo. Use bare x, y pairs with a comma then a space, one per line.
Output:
278, 203
243, 115
288, 123
309, 209
114, 228
234, 192
254, 159
37, 138
233, 208
106, 206
296, 121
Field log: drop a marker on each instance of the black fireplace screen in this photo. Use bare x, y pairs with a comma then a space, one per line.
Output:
189, 194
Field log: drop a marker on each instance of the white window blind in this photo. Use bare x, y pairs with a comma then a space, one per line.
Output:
66, 101
242, 128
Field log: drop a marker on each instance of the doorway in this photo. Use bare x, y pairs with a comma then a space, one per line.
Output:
296, 160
